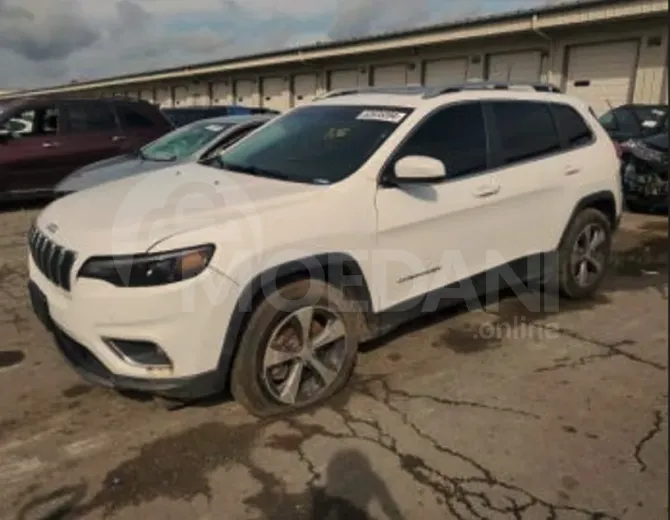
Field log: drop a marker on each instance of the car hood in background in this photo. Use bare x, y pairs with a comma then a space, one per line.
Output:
657, 142
107, 170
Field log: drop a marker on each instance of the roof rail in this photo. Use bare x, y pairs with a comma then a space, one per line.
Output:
431, 92
492, 85
408, 89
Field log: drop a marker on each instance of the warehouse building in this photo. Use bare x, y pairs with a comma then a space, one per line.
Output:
607, 52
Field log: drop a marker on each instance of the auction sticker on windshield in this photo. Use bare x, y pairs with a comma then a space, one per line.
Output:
388, 116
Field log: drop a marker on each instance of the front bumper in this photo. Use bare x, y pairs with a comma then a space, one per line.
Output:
188, 321
644, 185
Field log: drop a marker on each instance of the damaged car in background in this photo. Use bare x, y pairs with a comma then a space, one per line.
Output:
644, 165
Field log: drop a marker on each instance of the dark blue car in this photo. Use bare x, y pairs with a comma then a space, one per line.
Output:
181, 116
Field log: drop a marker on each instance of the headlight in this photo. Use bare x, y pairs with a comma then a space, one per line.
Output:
149, 269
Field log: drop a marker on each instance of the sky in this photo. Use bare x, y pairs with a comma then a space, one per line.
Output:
50, 42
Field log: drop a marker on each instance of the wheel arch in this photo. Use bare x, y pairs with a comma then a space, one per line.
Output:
604, 201
339, 269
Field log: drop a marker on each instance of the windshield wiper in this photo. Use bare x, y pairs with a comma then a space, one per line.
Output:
254, 170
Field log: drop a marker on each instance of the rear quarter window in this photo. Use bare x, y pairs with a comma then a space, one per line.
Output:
525, 130
132, 117
572, 128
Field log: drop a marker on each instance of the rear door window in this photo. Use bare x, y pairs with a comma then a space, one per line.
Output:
524, 130
90, 117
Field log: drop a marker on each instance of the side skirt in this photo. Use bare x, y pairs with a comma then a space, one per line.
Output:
520, 273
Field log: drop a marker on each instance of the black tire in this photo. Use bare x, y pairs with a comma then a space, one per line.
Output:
567, 283
246, 383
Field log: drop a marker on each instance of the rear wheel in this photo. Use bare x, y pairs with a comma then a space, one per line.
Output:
298, 349
584, 254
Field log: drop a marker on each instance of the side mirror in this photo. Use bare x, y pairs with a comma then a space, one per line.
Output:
419, 168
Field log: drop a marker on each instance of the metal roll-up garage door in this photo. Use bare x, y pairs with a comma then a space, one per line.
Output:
445, 72
346, 78
304, 89
275, 93
389, 75
181, 97
602, 74
164, 97
199, 95
147, 95
219, 93
245, 92
515, 66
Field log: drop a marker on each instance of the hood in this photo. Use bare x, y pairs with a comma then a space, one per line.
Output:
130, 215
115, 168
658, 142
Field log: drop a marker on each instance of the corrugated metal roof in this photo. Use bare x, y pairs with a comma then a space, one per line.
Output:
459, 23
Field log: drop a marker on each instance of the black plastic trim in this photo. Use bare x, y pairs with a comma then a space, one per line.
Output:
590, 201
324, 266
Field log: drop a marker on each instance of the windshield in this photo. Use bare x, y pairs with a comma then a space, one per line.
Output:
651, 114
314, 144
184, 141
608, 121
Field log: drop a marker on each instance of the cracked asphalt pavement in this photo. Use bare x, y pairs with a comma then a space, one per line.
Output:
497, 413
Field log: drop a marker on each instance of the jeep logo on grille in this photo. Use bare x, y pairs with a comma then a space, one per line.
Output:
52, 228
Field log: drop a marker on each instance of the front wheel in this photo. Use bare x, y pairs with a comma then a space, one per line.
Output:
584, 254
298, 348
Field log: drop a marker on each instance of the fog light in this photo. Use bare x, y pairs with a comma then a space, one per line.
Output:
142, 353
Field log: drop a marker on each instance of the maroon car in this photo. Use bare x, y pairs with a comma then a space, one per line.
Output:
44, 139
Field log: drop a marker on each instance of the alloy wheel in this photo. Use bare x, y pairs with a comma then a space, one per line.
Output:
589, 255
304, 355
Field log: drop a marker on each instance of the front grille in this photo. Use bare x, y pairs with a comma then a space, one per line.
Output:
54, 261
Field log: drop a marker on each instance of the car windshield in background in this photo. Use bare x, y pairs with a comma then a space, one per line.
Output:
314, 144
651, 116
183, 116
608, 121
184, 141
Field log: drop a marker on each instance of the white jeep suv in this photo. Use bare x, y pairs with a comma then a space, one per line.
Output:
263, 269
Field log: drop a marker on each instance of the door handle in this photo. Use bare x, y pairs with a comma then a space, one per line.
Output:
118, 138
572, 170
486, 190
52, 144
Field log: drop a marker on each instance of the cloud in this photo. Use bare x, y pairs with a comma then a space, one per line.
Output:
46, 42
43, 32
